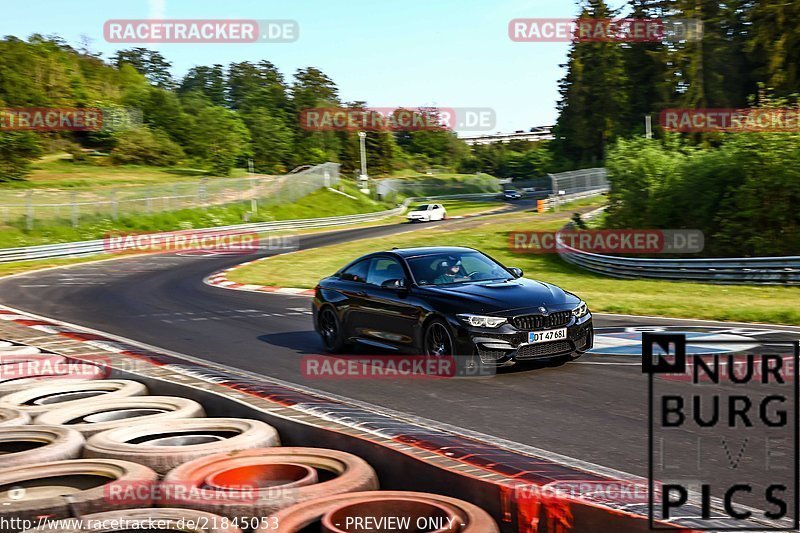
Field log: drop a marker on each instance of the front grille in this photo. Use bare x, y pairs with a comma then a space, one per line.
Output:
490, 356
530, 351
535, 322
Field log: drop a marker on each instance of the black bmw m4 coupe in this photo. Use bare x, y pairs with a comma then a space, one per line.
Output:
442, 301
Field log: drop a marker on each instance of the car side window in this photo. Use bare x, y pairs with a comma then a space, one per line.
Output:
384, 268
356, 272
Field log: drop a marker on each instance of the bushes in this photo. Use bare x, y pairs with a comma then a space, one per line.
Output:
17, 149
742, 195
143, 146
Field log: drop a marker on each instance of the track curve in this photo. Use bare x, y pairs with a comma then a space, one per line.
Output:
594, 409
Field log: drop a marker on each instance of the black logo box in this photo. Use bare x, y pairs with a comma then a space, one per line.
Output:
678, 366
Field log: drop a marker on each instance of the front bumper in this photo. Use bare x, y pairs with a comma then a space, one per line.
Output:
506, 345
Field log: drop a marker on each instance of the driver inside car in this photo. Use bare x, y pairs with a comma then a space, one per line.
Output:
449, 271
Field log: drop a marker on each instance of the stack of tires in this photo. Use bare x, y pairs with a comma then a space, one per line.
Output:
108, 453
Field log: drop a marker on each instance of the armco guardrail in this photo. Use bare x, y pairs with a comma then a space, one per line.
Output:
83, 248
77, 249
739, 270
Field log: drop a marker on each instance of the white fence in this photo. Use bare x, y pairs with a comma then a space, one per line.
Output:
45, 208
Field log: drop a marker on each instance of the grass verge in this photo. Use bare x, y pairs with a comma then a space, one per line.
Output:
321, 203
768, 304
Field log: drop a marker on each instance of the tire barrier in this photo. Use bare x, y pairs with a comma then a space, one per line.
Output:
164, 447
25, 354
275, 477
409, 455
64, 375
94, 417
57, 395
406, 511
183, 520
13, 417
65, 488
29, 445
19, 350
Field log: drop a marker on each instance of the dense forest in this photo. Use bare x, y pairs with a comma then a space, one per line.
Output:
740, 188
215, 117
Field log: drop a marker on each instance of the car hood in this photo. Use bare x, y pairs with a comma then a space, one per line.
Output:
511, 297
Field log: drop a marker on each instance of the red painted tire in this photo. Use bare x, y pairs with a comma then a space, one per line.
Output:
188, 520
30, 445
325, 513
76, 486
277, 477
162, 447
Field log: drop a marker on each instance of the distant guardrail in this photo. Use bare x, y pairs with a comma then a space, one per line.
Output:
98, 246
736, 270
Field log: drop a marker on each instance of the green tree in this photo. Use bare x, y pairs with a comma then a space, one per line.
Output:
17, 150
144, 146
593, 96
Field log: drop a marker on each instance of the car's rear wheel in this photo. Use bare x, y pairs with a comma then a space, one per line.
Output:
330, 330
437, 341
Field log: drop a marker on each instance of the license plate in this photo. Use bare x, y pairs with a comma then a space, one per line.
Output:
547, 335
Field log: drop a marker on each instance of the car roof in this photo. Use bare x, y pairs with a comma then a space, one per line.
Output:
429, 250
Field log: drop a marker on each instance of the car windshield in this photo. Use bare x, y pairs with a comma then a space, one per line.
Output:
451, 268
423, 207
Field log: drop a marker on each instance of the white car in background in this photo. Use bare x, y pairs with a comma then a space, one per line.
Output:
427, 213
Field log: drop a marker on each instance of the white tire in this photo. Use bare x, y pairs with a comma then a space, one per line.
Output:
15, 385
162, 447
29, 445
61, 488
94, 417
55, 395
19, 350
13, 417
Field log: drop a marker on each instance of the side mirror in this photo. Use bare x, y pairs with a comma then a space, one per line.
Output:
516, 271
394, 284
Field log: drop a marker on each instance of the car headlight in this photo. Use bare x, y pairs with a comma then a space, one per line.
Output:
480, 321
581, 310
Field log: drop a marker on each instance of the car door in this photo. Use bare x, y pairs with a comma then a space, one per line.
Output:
391, 315
351, 284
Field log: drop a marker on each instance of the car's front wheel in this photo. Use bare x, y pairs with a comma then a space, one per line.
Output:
437, 340
330, 330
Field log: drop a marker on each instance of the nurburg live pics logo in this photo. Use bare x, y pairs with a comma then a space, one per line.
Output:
724, 446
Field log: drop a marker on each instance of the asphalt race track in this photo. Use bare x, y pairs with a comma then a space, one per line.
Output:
594, 409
